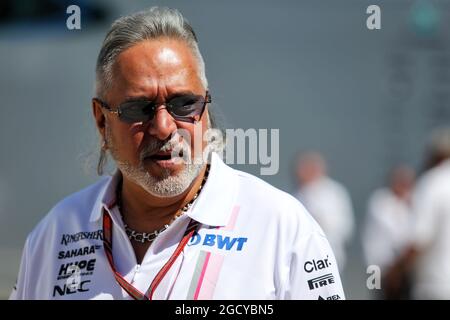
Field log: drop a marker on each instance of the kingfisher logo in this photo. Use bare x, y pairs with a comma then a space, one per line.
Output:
71, 238
219, 241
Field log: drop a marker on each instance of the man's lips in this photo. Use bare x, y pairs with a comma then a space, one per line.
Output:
161, 156
163, 160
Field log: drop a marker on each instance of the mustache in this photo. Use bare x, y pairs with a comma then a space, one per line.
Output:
154, 146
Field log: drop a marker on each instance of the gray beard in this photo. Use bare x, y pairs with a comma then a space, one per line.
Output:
164, 186
167, 186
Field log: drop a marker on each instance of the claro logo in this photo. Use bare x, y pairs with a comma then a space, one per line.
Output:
219, 241
316, 265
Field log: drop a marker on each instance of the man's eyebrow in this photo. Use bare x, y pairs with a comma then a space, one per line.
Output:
169, 97
181, 93
136, 98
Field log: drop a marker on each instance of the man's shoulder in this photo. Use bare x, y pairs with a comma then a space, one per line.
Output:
435, 182
440, 175
83, 199
253, 186
73, 210
274, 204
335, 186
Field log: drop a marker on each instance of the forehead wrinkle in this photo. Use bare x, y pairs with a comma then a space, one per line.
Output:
174, 79
144, 69
150, 86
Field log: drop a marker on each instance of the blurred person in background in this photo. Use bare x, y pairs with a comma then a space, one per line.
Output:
327, 200
427, 259
388, 224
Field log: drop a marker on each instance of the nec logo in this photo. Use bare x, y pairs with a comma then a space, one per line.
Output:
70, 289
321, 281
219, 241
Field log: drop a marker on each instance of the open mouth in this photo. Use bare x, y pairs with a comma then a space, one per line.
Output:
158, 157
164, 156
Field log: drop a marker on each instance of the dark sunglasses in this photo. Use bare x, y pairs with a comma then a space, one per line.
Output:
187, 108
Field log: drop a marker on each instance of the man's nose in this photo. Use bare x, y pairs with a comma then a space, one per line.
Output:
162, 125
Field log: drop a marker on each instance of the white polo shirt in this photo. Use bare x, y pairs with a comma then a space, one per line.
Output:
255, 242
330, 204
387, 230
431, 234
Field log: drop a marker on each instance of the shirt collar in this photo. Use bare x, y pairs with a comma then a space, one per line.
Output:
216, 200
106, 197
213, 206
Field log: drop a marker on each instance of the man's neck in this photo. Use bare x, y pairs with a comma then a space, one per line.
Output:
145, 212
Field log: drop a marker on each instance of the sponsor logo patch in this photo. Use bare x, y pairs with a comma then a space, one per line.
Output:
83, 267
72, 238
218, 241
316, 265
71, 289
333, 297
78, 252
321, 281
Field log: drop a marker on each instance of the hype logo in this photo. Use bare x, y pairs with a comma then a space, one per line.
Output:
218, 241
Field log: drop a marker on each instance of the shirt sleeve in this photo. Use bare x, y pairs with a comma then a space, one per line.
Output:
313, 271
19, 290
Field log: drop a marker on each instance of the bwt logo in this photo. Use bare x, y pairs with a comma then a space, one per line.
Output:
219, 241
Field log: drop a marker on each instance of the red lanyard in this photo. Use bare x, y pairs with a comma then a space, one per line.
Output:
128, 287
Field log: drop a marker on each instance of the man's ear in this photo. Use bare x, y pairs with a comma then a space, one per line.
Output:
99, 116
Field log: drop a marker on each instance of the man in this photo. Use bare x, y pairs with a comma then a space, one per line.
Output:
388, 224
427, 258
170, 224
327, 200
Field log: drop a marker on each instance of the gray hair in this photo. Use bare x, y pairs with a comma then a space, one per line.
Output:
153, 23
149, 24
